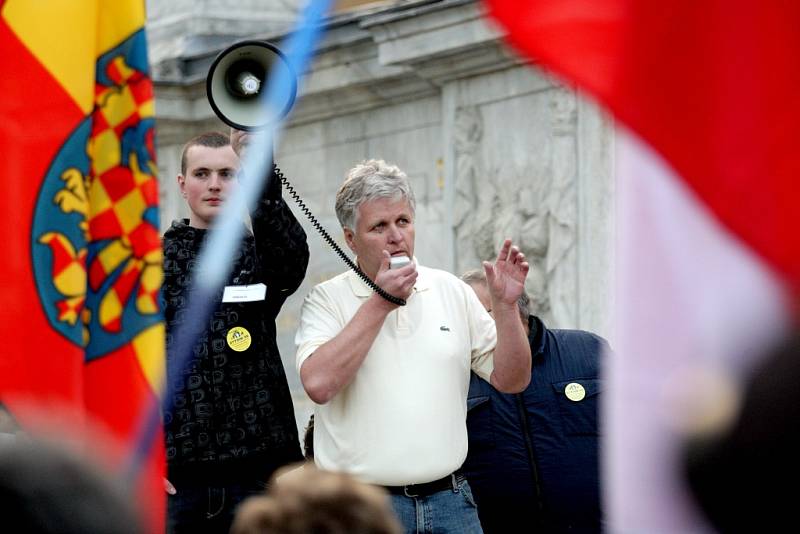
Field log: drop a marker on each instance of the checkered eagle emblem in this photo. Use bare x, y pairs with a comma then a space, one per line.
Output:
95, 230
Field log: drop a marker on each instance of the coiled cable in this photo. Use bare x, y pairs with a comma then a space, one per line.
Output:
328, 239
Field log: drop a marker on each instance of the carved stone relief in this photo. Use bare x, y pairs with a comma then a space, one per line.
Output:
470, 208
536, 207
562, 210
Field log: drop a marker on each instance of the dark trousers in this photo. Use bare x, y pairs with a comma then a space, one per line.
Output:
207, 509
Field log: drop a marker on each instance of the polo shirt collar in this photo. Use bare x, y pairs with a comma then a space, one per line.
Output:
361, 289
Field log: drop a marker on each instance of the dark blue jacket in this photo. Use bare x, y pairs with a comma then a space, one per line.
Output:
533, 456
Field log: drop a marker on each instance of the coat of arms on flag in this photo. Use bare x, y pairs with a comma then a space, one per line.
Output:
95, 243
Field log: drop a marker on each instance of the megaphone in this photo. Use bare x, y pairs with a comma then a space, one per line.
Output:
237, 78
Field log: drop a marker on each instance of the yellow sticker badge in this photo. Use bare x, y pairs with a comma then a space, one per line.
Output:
575, 392
239, 338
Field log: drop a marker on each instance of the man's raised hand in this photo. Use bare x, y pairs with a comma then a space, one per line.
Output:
506, 277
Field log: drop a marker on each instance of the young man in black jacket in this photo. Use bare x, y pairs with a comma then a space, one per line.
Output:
231, 422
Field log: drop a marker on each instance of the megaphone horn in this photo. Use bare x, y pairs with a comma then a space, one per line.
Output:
239, 75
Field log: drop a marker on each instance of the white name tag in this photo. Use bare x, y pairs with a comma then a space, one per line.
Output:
250, 293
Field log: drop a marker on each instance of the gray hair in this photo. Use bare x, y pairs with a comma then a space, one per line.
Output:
370, 180
475, 277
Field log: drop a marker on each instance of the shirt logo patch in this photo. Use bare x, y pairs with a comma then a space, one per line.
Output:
444, 328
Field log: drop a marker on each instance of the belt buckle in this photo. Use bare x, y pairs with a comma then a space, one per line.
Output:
407, 494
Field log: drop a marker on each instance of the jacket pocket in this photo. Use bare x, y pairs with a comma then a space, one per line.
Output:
578, 404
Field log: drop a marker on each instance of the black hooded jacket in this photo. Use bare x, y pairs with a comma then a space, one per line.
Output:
231, 413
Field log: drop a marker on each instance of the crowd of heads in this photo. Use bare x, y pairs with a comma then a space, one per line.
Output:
48, 488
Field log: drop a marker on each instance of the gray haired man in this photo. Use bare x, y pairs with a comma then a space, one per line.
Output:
390, 382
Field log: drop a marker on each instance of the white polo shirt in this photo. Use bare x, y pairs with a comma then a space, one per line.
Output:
402, 420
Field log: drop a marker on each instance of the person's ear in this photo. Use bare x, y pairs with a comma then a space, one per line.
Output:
349, 239
182, 184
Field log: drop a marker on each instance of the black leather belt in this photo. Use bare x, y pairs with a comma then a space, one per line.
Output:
427, 488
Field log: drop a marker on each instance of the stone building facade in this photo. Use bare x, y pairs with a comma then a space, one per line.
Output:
494, 147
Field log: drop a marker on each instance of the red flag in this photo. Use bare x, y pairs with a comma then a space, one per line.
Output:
82, 268
707, 252
709, 85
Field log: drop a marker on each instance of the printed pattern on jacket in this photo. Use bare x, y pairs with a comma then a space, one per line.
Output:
231, 404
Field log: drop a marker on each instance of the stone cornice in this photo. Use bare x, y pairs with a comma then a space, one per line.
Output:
367, 59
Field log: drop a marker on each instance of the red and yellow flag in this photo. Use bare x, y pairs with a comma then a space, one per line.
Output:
81, 326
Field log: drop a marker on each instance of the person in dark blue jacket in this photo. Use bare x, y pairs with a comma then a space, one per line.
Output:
533, 456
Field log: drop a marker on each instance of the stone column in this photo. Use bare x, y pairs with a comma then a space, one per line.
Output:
561, 207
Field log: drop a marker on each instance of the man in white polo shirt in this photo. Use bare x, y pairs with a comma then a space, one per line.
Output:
390, 382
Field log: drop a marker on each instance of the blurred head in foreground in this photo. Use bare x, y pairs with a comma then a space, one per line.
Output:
47, 489
741, 473
311, 500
